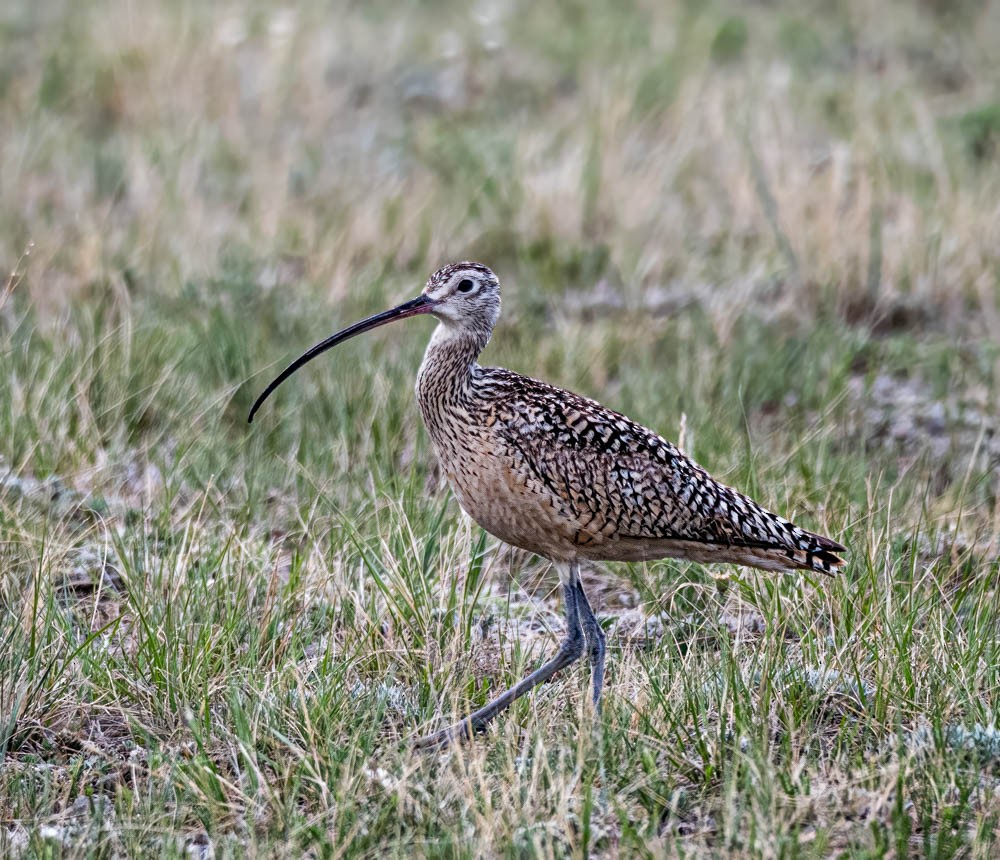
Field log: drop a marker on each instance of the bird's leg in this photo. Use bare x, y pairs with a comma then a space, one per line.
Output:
595, 641
570, 650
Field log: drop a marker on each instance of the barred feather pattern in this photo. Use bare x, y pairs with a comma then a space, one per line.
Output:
562, 476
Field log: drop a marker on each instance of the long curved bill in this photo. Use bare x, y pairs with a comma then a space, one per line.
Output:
420, 305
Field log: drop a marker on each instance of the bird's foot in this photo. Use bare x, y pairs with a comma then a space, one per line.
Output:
460, 731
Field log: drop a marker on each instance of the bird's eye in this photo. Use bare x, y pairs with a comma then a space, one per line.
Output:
465, 286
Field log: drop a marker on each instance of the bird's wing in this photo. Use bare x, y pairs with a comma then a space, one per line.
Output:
616, 480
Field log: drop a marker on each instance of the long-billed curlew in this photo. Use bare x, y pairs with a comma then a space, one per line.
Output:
563, 477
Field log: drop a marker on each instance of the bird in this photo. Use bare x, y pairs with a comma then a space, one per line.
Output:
565, 478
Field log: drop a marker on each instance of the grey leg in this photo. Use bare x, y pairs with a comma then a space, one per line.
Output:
595, 641
570, 650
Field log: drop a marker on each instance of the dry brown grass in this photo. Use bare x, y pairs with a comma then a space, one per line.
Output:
785, 253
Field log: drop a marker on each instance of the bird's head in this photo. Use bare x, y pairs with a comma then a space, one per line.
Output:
464, 297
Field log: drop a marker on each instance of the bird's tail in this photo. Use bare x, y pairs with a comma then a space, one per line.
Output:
801, 550
773, 543
816, 552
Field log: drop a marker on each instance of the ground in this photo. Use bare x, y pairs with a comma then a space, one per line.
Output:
767, 229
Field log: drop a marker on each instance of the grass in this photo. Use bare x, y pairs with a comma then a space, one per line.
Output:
767, 230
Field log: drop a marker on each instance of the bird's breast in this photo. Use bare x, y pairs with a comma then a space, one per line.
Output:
495, 488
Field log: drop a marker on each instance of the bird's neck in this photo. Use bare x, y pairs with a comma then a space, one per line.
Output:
445, 379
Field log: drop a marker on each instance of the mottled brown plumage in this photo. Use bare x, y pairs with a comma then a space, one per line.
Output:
564, 477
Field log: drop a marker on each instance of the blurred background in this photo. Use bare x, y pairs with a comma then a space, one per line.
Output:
769, 229
839, 154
